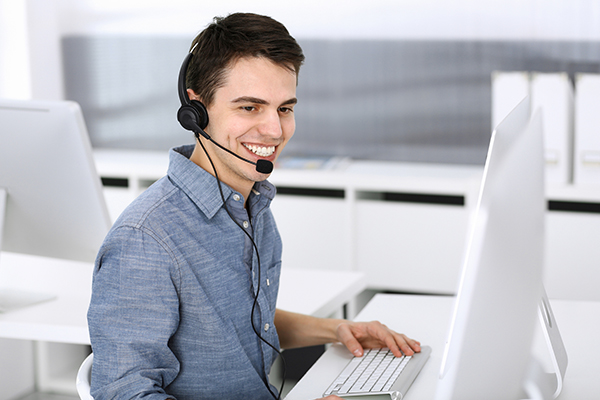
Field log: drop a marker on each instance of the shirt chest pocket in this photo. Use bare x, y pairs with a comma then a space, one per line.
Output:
271, 283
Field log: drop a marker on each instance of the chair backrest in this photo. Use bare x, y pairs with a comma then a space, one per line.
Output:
84, 376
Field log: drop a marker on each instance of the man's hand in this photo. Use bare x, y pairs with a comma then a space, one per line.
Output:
298, 330
357, 336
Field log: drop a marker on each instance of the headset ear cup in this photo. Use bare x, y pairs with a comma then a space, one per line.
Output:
188, 117
193, 117
202, 113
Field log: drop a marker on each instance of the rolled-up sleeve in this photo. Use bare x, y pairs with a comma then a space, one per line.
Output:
132, 316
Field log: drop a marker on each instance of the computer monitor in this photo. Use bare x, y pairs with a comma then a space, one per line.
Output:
489, 350
51, 200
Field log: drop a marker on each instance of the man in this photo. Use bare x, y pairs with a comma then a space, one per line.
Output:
186, 282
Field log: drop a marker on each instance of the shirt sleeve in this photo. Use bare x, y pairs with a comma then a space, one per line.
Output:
132, 315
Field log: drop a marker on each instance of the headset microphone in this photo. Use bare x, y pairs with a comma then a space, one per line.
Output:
192, 115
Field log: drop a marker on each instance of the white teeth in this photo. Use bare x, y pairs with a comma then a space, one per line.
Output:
261, 151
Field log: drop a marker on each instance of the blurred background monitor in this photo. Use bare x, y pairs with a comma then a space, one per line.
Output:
51, 200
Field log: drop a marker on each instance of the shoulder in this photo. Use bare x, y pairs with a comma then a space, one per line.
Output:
161, 209
149, 218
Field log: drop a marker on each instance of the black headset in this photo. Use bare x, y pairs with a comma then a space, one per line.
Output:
192, 114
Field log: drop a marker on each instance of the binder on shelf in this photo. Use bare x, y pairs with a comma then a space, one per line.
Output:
508, 89
587, 130
553, 93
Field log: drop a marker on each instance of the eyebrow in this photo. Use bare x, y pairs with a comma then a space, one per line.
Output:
256, 100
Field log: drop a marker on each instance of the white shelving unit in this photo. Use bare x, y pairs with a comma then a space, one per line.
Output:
373, 217
402, 224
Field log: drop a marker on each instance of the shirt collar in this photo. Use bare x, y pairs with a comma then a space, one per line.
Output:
201, 186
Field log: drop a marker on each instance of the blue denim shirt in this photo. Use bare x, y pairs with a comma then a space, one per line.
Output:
173, 289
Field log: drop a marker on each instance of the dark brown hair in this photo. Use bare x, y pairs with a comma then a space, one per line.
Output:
237, 36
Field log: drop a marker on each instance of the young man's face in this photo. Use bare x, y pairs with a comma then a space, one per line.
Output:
251, 115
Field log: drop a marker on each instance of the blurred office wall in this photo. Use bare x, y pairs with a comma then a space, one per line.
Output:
385, 79
393, 100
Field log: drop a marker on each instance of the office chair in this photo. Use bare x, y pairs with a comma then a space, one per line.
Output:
84, 378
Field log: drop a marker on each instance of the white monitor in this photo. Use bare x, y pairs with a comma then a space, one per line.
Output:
51, 201
489, 350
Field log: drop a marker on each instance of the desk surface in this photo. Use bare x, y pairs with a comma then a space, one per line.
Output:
63, 320
427, 319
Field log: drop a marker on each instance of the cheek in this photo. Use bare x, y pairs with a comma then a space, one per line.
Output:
234, 129
288, 131
289, 127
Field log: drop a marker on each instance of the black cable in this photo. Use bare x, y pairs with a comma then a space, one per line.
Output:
255, 302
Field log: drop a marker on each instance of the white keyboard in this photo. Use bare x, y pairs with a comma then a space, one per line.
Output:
376, 372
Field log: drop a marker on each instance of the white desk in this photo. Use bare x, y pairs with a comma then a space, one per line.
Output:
62, 320
61, 324
319, 293
313, 292
427, 319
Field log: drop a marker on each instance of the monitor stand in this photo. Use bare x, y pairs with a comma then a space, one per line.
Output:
12, 299
556, 346
541, 384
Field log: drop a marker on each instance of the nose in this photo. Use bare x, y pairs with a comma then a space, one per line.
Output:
271, 125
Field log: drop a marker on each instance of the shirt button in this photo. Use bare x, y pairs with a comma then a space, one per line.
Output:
268, 282
266, 327
236, 197
246, 224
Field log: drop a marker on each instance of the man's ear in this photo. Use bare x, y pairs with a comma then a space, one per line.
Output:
192, 95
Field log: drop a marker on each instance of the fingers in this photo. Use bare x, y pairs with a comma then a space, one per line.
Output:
398, 343
347, 338
356, 336
401, 344
413, 344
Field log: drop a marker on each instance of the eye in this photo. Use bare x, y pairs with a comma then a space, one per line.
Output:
286, 110
248, 108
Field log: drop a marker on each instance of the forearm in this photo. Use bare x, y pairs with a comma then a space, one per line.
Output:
298, 330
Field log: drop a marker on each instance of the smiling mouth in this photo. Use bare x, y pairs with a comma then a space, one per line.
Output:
260, 150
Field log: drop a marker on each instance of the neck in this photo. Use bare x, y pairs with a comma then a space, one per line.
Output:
200, 158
